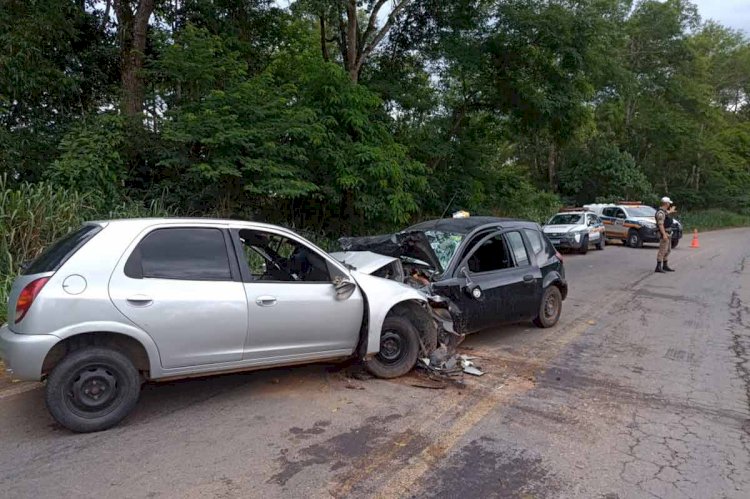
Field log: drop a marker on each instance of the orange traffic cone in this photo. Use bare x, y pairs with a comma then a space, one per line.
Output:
695, 243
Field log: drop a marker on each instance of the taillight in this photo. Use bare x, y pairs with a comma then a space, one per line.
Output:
27, 297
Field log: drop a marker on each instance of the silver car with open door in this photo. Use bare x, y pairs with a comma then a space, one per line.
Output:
119, 302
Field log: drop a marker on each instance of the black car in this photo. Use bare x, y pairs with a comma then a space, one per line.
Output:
493, 270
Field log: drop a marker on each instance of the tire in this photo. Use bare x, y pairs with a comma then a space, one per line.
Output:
675, 242
551, 298
584, 245
600, 245
71, 383
399, 349
634, 239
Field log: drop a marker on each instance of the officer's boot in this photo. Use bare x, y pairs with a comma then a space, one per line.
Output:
666, 268
659, 269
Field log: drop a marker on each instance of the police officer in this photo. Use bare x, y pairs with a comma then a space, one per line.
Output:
664, 226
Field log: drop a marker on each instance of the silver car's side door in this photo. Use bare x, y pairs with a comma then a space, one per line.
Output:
182, 286
294, 314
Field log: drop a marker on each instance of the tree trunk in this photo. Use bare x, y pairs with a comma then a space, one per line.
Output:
552, 166
323, 45
352, 39
132, 28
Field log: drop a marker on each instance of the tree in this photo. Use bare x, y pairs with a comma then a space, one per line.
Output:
132, 28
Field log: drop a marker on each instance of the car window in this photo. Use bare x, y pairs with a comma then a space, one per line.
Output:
196, 254
620, 214
56, 255
565, 219
535, 238
490, 255
519, 250
273, 257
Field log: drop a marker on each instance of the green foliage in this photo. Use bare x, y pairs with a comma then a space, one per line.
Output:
496, 107
90, 160
600, 172
714, 218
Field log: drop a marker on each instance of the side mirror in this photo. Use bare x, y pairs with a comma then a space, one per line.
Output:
472, 289
344, 288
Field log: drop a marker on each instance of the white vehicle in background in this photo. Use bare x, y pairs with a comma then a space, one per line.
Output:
575, 229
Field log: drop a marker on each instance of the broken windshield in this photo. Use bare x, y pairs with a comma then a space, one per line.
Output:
444, 244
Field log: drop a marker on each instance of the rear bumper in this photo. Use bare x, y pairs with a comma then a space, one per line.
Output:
24, 354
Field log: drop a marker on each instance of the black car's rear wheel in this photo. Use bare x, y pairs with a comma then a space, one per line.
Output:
550, 307
399, 349
92, 389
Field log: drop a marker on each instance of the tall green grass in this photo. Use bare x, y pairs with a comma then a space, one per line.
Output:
714, 218
32, 216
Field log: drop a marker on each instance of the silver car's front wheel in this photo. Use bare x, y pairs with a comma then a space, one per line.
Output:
92, 389
399, 349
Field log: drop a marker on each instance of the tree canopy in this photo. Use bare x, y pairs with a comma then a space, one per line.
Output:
346, 116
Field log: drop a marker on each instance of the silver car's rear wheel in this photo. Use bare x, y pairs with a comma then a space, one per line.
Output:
92, 389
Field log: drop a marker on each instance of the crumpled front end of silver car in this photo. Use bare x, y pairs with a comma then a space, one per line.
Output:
442, 309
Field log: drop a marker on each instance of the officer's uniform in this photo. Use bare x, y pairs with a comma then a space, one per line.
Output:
665, 245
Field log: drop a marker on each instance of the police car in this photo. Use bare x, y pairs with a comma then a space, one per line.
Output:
633, 223
576, 229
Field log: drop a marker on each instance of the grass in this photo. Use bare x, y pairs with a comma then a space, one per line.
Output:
711, 219
33, 216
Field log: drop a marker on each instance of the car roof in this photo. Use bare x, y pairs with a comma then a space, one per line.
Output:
468, 224
146, 222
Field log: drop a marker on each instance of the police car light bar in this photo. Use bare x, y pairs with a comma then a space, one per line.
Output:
573, 208
630, 203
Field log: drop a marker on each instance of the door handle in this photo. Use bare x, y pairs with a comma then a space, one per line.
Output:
528, 278
140, 300
265, 301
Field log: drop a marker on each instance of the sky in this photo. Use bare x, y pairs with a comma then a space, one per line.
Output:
732, 13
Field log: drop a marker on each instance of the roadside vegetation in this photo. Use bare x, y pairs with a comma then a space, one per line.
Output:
713, 219
338, 117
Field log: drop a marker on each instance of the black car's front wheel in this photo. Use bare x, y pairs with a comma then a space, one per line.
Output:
584, 245
399, 349
92, 389
550, 307
675, 242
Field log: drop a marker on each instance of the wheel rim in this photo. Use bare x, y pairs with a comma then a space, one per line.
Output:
392, 347
634, 240
550, 307
93, 391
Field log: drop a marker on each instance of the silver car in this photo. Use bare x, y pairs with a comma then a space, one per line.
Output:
116, 303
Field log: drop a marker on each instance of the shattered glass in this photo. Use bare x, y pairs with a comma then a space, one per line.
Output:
444, 244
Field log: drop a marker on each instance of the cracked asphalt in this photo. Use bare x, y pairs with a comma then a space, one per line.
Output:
642, 390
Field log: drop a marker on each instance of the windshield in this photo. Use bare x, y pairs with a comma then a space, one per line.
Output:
565, 219
641, 211
444, 244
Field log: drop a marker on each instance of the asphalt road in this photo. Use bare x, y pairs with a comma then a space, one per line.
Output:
642, 390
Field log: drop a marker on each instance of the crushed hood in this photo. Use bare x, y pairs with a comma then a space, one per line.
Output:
366, 262
412, 244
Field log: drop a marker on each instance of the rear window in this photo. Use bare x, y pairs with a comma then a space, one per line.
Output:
56, 255
198, 254
535, 239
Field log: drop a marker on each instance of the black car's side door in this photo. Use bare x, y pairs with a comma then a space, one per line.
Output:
506, 287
